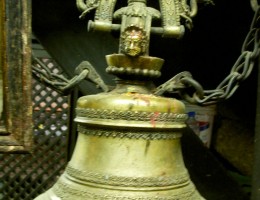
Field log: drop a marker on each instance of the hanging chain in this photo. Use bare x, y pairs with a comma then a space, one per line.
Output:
239, 72
180, 83
61, 84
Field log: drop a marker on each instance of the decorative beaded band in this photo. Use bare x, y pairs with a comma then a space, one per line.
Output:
68, 191
112, 180
133, 71
131, 134
90, 113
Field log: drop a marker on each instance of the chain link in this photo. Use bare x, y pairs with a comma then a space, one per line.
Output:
180, 83
55, 81
239, 72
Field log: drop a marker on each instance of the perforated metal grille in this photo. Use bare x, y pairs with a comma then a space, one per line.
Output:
25, 176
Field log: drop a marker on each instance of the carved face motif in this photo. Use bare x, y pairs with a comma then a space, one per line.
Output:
133, 41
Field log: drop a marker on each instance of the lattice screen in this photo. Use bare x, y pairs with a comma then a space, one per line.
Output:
25, 176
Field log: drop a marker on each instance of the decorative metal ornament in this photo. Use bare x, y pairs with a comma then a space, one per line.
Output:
133, 41
128, 145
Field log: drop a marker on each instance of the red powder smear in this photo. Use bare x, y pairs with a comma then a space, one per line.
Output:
153, 118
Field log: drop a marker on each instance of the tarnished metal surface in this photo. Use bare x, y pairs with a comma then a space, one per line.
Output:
172, 13
128, 148
129, 139
134, 67
131, 110
85, 71
110, 173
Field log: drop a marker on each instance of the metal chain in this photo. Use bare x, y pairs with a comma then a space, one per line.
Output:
239, 72
55, 81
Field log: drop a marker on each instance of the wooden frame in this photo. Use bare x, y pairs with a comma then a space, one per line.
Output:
15, 62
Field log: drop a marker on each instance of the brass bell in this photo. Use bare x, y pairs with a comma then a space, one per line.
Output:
128, 145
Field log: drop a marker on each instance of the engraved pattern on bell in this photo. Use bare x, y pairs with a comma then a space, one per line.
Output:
68, 192
130, 115
126, 133
107, 179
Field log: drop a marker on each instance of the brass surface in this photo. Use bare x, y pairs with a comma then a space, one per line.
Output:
176, 15
133, 41
134, 67
107, 167
128, 145
130, 110
128, 148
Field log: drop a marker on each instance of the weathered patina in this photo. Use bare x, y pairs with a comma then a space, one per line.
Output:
15, 63
128, 145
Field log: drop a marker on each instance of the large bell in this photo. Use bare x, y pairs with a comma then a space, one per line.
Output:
128, 145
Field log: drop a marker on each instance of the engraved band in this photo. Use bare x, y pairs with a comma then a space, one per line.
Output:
130, 134
106, 179
90, 113
67, 191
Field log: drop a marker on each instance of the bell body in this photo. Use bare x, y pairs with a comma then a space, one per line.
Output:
128, 147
